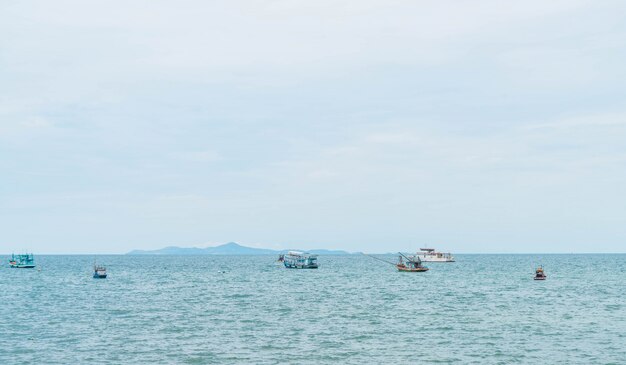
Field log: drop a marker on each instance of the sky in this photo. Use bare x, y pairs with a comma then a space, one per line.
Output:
376, 126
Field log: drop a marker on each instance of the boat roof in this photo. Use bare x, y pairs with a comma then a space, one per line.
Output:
427, 249
300, 253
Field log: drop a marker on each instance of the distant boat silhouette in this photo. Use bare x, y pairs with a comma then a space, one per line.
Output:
539, 274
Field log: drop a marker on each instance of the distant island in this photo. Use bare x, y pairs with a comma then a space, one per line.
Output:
230, 248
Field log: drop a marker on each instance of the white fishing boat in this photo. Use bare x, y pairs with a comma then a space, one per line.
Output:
430, 255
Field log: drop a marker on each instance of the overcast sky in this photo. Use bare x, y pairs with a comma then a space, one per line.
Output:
470, 126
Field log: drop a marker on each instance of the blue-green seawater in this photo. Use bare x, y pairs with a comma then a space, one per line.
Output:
483, 309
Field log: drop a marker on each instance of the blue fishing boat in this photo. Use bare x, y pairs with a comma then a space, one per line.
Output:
99, 272
24, 261
300, 260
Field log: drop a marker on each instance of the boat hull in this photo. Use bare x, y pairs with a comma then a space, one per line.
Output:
434, 259
23, 266
96, 276
301, 266
540, 278
409, 269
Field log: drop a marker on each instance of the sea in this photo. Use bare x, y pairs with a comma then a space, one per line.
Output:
481, 309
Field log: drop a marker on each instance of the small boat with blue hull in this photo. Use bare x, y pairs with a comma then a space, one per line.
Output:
300, 260
24, 261
99, 272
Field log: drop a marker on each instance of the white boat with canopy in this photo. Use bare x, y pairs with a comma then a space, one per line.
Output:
430, 255
300, 260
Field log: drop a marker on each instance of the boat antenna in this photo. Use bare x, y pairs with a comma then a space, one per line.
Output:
379, 259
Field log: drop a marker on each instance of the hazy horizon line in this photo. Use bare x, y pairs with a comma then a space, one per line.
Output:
328, 254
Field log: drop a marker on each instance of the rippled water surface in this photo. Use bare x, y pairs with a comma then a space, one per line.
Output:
483, 309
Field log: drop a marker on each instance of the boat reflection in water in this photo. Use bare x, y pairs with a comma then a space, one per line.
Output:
300, 260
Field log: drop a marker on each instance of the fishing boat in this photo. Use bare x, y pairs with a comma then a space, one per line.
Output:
300, 260
430, 255
99, 272
410, 265
539, 274
23, 261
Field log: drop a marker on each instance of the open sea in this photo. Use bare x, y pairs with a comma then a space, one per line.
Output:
482, 309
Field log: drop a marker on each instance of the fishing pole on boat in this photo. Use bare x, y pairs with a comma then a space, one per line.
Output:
379, 259
408, 259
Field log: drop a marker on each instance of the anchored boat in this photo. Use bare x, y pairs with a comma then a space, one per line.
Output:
430, 255
24, 261
539, 274
99, 272
300, 260
410, 265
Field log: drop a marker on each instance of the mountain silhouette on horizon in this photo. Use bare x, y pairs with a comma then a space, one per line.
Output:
230, 248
